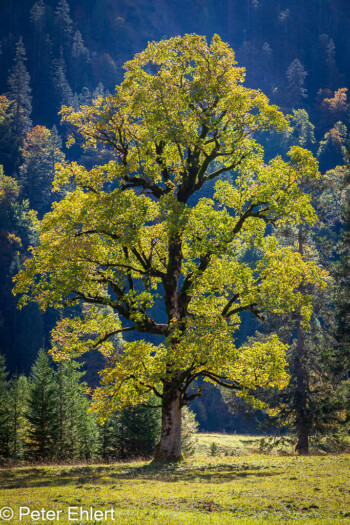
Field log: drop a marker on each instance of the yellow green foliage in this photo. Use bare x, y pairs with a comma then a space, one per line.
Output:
129, 234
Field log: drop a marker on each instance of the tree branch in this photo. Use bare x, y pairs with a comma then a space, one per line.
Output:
110, 334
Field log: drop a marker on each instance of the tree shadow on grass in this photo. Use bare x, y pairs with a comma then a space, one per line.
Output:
110, 474
219, 473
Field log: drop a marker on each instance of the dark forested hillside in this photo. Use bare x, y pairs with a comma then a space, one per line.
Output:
56, 53
72, 45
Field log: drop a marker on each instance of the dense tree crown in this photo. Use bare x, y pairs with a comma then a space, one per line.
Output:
132, 231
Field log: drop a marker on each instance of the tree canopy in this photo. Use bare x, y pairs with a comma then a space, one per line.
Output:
132, 233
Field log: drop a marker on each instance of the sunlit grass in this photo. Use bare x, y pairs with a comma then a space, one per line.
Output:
245, 488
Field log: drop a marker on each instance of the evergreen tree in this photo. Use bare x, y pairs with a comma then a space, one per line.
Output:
99, 91
64, 23
330, 60
9, 141
40, 152
42, 409
313, 397
84, 98
19, 85
341, 272
108, 438
60, 84
301, 131
332, 147
18, 395
87, 434
5, 428
313, 402
77, 436
41, 64
80, 59
134, 432
131, 433
79, 51
296, 75
37, 17
138, 430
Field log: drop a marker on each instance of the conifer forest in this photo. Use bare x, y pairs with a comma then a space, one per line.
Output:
174, 231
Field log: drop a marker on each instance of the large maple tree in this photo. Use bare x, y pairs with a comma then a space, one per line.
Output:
133, 232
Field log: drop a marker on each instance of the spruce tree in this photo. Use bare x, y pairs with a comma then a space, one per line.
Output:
341, 273
313, 397
64, 23
108, 439
87, 432
77, 429
99, 91
37, 17
330, 61
80, 58
133, 432
332, 147
19, 389
301, 131
311, 404
42, 409
9, 141
296, 75
61, 87
138, 430
40, 152
19, 91
41, 63
5, 429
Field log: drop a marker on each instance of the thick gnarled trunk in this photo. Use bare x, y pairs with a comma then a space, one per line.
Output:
169, 446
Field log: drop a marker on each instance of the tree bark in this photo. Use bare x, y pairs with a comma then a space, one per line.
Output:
302, 447
169, 446
301, 405
303, 419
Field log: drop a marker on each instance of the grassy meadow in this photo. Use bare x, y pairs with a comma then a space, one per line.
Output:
247, 481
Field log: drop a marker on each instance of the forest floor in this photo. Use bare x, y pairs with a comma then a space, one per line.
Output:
248, 481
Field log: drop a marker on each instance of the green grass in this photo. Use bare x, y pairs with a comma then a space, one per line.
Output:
246, 488
228, 445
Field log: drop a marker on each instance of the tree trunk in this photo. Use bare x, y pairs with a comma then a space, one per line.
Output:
302, 447
169, 446
302, 408
303, 418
